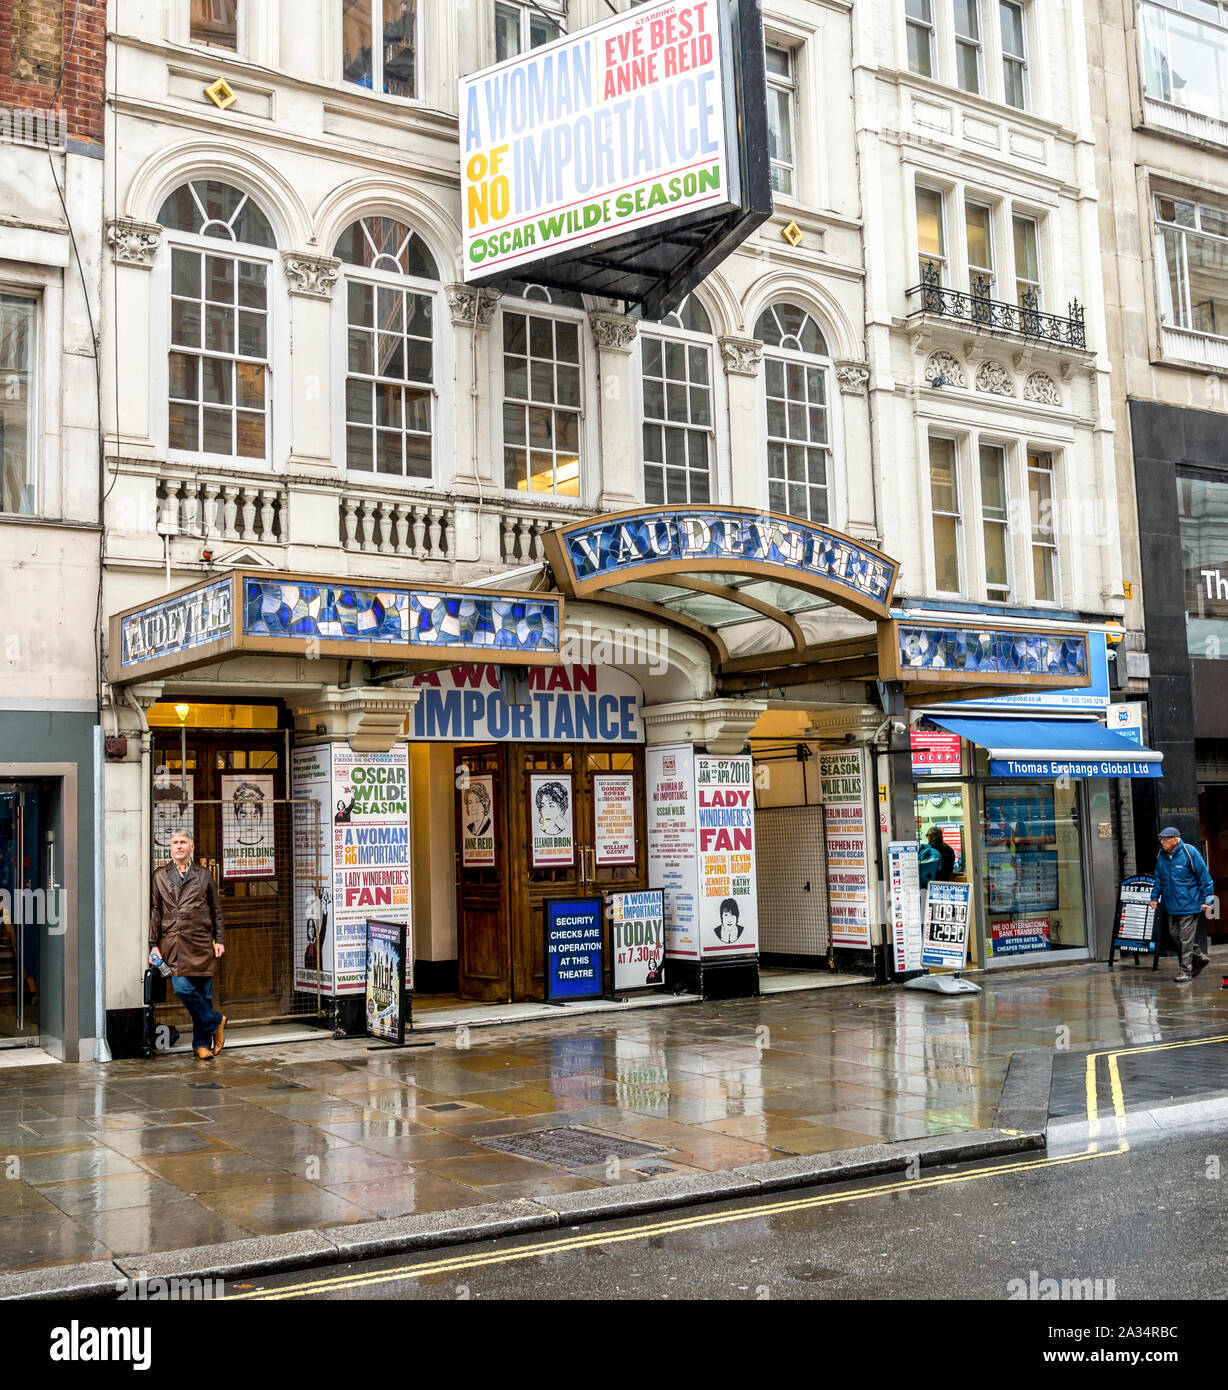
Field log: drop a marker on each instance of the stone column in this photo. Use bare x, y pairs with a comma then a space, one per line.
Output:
369, 719
615, 337
717, 726
748, 460
475, 469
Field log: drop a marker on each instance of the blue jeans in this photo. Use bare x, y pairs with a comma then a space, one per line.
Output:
196, 995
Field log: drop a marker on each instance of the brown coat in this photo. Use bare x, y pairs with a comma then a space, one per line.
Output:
185, 921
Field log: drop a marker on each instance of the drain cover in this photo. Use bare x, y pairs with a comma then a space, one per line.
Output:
447, 1105
570, 1146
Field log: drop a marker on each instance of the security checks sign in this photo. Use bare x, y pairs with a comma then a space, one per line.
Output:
603, 132
573, 948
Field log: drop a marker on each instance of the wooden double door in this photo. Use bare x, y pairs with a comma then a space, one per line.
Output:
500, 919
255, 976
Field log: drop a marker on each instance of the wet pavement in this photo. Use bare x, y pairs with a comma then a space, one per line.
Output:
172, 1154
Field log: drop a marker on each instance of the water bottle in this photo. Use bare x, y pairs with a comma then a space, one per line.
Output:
163, 968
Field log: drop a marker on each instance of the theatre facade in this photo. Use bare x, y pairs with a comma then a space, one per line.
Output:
713, 701
435, 600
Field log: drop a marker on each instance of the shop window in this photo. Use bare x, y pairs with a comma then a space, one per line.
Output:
920, 27
518, 28
219, 357
542, 397
945, 509
1012, 19
679, 419
796, 385
781, 102
1192, 259
1032, 884
379, 45
1044, 534
1202, 518
391, 298
18, 398
216, 23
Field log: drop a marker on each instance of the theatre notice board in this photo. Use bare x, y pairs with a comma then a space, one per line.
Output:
574, 954
1137, 922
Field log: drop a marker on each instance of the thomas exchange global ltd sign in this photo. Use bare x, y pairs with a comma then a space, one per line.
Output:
602, 133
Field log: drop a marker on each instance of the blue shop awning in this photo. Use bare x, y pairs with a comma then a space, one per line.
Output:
1054, 748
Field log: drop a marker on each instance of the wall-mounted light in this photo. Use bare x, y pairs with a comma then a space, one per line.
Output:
183, 711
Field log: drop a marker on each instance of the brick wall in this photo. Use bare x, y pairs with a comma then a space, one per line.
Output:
34, 37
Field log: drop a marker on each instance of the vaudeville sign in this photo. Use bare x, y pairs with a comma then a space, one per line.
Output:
651, 543
603, 136
180, 624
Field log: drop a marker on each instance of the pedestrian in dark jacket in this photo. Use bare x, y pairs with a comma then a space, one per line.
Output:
1183, 885
187, 930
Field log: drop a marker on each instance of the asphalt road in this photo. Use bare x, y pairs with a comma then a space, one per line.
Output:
1146, 1221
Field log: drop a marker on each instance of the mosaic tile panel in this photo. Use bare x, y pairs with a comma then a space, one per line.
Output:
1003, 653
412, 617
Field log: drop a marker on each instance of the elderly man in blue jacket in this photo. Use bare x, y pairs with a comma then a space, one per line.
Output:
1184, 886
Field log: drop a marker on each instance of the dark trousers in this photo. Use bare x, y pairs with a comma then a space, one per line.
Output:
196, 995
1183, 928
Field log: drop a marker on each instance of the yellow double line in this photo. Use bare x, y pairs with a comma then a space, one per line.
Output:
1115, 1091
565, 1245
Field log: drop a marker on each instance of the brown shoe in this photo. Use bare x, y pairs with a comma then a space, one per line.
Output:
204, 1054
219, 1038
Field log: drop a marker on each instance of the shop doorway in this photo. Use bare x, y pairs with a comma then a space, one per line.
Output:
532, 790
225, 788
30, 904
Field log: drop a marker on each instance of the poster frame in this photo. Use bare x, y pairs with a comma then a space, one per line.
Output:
405, 989
550, 907
615, 983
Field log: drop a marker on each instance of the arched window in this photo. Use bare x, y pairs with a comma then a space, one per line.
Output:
796, 371
219, 320
391, 289
542, 392
679, 415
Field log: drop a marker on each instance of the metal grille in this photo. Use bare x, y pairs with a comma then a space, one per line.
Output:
789, 855
268, 859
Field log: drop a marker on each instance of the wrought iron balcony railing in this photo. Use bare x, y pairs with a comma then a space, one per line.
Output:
975, 307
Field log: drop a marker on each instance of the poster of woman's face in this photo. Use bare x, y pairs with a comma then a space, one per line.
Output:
550, 818
478, 823
172, 810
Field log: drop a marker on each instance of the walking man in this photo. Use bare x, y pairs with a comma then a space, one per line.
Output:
1184, 886
186, 928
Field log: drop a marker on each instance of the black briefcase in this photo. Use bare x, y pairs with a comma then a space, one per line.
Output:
155, 986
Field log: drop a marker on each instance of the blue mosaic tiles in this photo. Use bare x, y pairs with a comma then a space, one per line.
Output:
1003, 653
604, 548
464, 620
413, 617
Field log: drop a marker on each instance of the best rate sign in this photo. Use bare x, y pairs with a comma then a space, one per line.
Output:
602, 132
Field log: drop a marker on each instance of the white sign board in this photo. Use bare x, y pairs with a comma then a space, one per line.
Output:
614, 818
364, 800
637, 938
904, 882
725, 814
843, 782
672, 863
605, 131
948, 909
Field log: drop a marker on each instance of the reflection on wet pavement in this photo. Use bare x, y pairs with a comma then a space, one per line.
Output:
172, 1153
